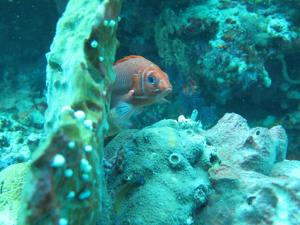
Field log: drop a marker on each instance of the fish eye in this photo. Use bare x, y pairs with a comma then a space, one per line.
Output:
151, 79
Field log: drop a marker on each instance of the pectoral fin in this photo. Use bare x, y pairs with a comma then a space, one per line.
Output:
123, 111
127, 97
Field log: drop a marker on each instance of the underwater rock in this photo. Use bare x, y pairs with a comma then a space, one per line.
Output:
248, 197
234, 130
291, 122
168, 158
22, 108
37, 119
287, 169
174, 174
239, 56
13, 144
235, 55
242, 191
256, 149
224, 44
21, 97
33, 141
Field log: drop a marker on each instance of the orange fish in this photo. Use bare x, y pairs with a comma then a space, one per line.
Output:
139, 82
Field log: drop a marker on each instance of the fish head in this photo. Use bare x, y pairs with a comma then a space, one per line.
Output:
156, 83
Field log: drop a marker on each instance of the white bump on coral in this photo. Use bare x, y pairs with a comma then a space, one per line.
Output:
58, 161
71, 144
68, 173
101, 58
80, 115
85, 166
66, 108
71, 195
94, 44
88, 148
62, 221
88, 124
85, 194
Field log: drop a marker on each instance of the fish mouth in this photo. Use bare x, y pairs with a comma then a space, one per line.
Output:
164, 93
167, 91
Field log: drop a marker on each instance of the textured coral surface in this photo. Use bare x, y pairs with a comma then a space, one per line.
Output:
174, 172
221, 56
11, 184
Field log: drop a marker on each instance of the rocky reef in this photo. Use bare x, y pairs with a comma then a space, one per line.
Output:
27, 29
175, 172
22, 111
222, 56
57, 167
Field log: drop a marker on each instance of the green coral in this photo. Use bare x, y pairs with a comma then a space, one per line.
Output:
11, 183
66, 177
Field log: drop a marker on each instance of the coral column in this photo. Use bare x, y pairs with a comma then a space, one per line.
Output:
65, 182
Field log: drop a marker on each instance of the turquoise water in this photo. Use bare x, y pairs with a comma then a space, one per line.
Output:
239, 57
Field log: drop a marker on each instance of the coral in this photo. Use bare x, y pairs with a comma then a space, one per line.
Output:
285, 72
251, 198
21, 96
259, 148
13, 143
280, 28
291, 123
22, 115
221, 55
225, 47
288, 169
11, 183
165, 161
6, 218
194, 176
176, 51
228, 54
246, 154
187, 40
190, 180
234, 55
65, 175
175, 160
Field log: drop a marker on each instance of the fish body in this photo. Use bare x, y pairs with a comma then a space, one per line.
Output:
139, 82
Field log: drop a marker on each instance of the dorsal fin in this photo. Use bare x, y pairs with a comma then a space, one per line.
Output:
128, 57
